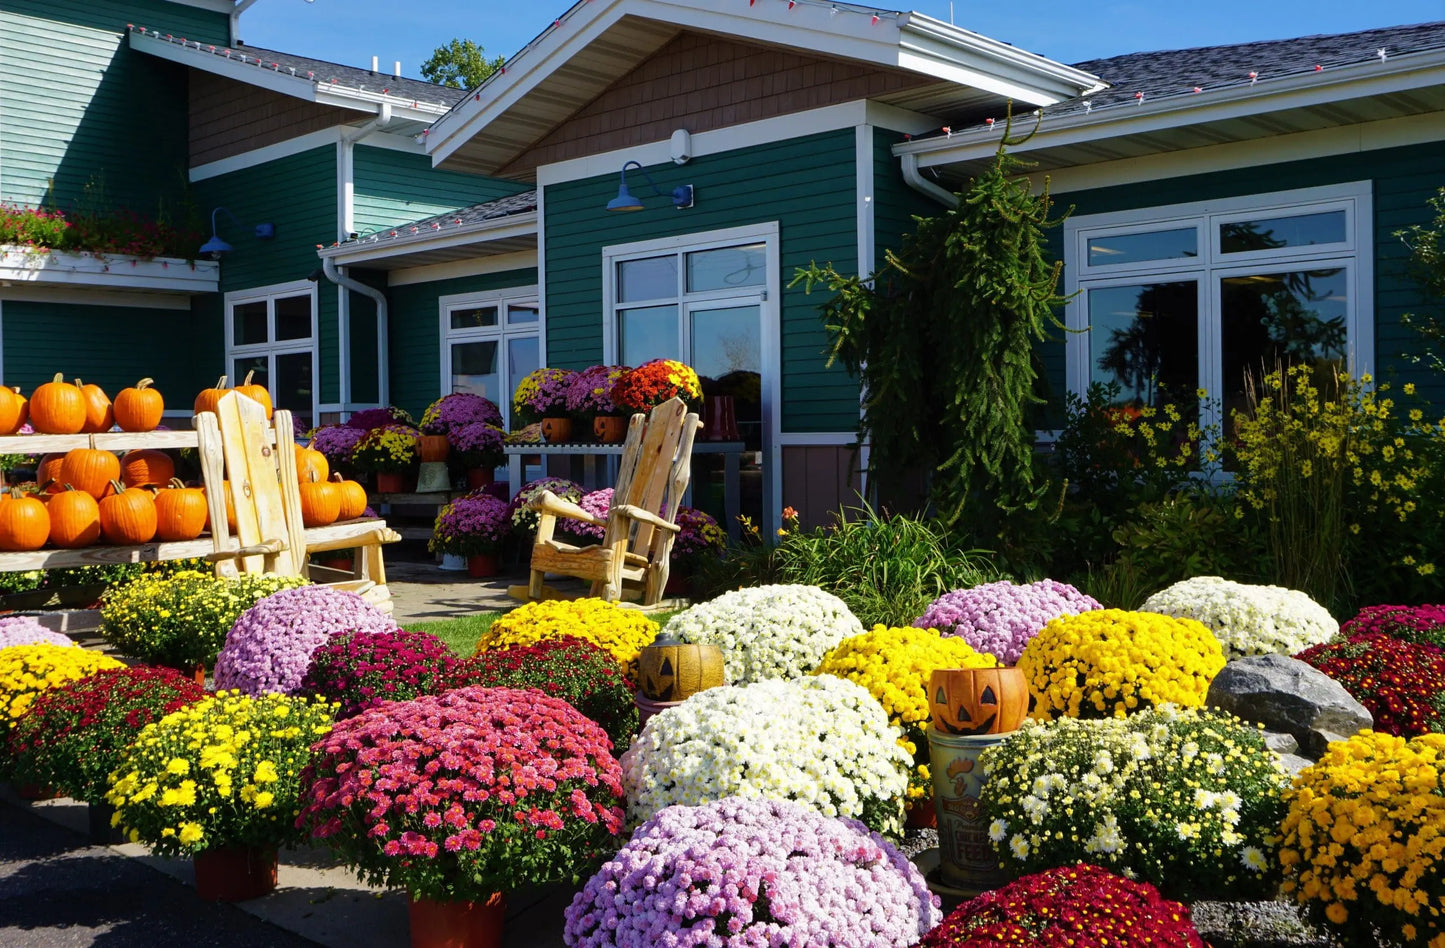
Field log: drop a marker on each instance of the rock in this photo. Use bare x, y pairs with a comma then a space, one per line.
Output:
1293, 763
1288, 696
1280, 743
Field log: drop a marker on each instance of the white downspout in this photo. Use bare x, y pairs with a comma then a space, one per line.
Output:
334, 274
922, 185
345, 223
241, 7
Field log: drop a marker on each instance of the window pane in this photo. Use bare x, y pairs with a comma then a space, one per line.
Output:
648, 332
654, 278
1272, 233
474, 318
726, 268
1268, 318
1133, 248
1145, 339
256, 364
523, 357
521, 314
293, 317
474, 369
293, 386
727, 351
250, 323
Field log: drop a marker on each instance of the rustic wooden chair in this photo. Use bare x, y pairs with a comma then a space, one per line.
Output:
639, 530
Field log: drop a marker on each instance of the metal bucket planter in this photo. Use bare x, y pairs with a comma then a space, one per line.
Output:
968, 860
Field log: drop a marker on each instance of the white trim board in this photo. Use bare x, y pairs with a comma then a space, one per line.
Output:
95, 296
215, 6
863, 199
299, 145
359, 252
829, 118
477, 266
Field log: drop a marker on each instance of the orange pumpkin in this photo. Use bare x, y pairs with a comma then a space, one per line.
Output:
139, 408
978, 700
353, 498
14, 410
127, 516
24, 523
669, 670
145, 467
258, 393
180, 511
57, 407
206, 401
89, 470
99, 414
47, 473
320, 503
433, 447
309, 461
74, 519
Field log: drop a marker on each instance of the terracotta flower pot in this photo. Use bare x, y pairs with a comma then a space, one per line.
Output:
609, 429
434, 447
458, 924
235, 873
482, 565
391, 482
479, 477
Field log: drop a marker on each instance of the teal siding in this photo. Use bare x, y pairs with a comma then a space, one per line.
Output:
86, 121
100, 344
297, 194
393, 187
895, 204
808, 185
414, 340
1403, 179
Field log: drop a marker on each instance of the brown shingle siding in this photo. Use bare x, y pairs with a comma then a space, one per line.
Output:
229, 118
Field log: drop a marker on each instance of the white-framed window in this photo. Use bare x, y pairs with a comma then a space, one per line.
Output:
490, 342
271, 331
1200, 295
710, 300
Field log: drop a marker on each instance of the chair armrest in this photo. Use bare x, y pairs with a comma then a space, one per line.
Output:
634, 512
550, 503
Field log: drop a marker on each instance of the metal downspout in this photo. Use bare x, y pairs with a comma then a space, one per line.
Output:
241, 7
915, 180
345, 174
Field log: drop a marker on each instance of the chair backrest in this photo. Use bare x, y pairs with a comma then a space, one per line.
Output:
655, 470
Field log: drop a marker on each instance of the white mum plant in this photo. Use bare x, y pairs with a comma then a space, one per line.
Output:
1247, 620
824, 742
768, 631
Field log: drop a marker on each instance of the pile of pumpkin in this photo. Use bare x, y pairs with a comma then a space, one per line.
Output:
61, 407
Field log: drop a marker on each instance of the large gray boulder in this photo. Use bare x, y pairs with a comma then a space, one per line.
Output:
1288, 696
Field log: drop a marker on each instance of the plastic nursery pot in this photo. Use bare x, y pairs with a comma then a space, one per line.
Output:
922, 814
391, 482
458, 924
235, 873
479, 477
482, 565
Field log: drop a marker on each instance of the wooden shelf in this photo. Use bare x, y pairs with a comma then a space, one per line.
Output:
432, 499
106, 441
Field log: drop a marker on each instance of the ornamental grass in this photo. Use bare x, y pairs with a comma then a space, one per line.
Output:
622, 633
1068, 907
737, 872
1364, 840
575, 670
269, 648
224, 771
1401, 683
75, 735
768, 631
1112, 662
894, 665
459, 795
1246, 619
181, 620
1186, 800
360, 669
28, 671
824, 742
1000, 618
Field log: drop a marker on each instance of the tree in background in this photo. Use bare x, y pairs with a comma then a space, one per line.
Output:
1427, 260
460, 64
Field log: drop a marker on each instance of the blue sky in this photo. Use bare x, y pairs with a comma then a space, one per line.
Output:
352, 31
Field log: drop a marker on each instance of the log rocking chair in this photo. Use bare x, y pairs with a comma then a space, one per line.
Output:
639, 529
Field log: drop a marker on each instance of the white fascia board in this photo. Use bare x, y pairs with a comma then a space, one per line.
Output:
73, 295
931, 49
1399, 74
23, 266
359, 253
215, 6
477, 266
346, 97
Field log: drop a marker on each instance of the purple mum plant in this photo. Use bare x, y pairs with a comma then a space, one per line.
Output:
1000, 618
739, 872
451, 412
269, 648
524, 521
475, 523
24, 630
369, 418
590, 392
478, 444
337, 442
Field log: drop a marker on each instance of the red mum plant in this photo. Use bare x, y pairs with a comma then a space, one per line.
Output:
1401, 683
75, 735
1422, 624
363, 669
652, 383
1080, 906
467, 793
582, 674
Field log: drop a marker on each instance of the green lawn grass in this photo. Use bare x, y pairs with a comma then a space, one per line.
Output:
461, 634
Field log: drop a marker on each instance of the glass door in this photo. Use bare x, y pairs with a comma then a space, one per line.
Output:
724, 340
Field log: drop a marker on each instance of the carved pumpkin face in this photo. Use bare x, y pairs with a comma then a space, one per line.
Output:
974, 701
672, 671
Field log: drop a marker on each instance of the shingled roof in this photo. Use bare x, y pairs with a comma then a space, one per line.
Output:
496, 209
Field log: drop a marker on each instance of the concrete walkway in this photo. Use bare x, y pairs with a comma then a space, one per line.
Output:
423, 592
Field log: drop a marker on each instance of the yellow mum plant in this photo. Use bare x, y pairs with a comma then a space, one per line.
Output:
1364, 839
1111, 662
224, 771
28, 670
621, 632
894, 665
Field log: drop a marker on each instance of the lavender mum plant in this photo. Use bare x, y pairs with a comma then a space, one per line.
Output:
475, 524
453, 411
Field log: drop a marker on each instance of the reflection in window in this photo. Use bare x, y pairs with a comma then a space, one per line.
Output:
250, 323
1152, 245
1272, 233
726, 268
652, 278
1145, 339
477, 317
647, 332
474, 370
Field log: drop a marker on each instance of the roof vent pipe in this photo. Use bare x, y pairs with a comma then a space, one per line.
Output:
375, 63
396, 68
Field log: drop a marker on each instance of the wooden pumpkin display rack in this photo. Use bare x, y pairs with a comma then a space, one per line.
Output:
237, 451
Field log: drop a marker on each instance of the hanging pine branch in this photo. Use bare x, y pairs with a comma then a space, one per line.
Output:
943, 338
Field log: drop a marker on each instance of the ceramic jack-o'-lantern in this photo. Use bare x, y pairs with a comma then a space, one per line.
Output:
668, 670
978, 700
